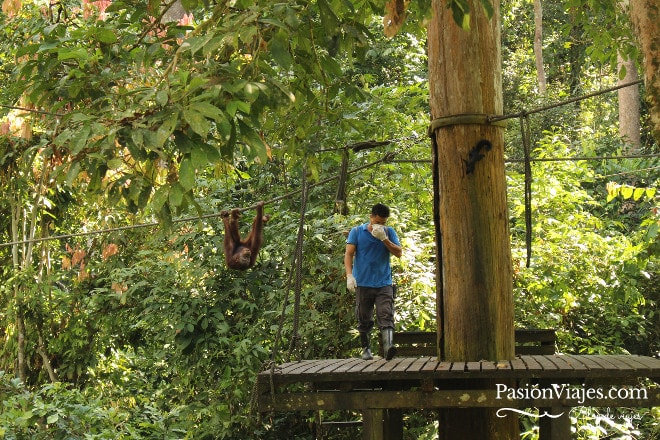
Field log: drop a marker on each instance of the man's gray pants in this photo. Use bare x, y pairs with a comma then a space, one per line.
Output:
380, 298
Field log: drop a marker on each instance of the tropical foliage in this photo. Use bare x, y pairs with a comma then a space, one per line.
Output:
129, 119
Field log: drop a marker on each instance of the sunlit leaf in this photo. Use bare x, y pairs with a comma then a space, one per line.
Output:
626, 191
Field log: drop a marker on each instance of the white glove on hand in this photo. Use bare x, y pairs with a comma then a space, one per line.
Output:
378, 231
351, 284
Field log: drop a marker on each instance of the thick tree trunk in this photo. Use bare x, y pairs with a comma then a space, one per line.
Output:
538, 46
629, 125
475, 300
645, 15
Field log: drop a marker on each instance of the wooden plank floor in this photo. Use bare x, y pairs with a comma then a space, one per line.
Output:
526, 366
421, 382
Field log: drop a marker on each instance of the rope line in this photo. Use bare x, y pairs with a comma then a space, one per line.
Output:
631, 172
387, 158
553, 159
499, 120
297, 268
526, 138
463, 119
32, 110
566, 102
585, 158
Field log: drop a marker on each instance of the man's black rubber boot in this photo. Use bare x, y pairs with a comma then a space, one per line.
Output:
389, 350
366, 346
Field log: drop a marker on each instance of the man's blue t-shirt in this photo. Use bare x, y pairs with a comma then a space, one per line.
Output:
371, 265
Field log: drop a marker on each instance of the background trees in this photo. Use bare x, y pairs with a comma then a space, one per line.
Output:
112, 118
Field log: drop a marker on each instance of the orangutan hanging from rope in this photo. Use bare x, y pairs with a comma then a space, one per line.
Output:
241, 254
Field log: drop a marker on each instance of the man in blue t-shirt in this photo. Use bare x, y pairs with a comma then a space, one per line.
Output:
369, 275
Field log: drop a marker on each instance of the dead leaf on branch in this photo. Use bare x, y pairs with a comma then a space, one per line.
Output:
109, 251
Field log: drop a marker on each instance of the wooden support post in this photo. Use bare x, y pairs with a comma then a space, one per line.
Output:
555, 428
393, 424
372, 424
382, 424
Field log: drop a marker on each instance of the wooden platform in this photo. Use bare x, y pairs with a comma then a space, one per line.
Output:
423, 382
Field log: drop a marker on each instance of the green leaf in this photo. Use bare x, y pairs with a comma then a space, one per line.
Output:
488, 8
234, 106
115, 6
162, 98
208, 110
176, 195
143, 197
183, 340
461, 12
189, 5
197, 122
187, 174
622, 72
105, 35
213, 45
73, 172
160, 198
28, 49
331, 66
257, 145
153, 6
52, 419
137, 137
115, 163
196, 43
64, 137
70, 54
329, 19
79, 139
166, 129
198, 157
211, 153
279, 50
80, 117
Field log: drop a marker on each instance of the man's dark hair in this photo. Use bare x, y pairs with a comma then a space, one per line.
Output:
380, 210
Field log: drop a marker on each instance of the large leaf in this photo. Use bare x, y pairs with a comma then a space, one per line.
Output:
166, 128
198, 156
175, 196
208, 110
329, 19
197, 122
187, 174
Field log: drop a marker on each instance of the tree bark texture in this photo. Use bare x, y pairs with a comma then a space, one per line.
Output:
645, 15
465, 78
629, 114
475, 299
538, 46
